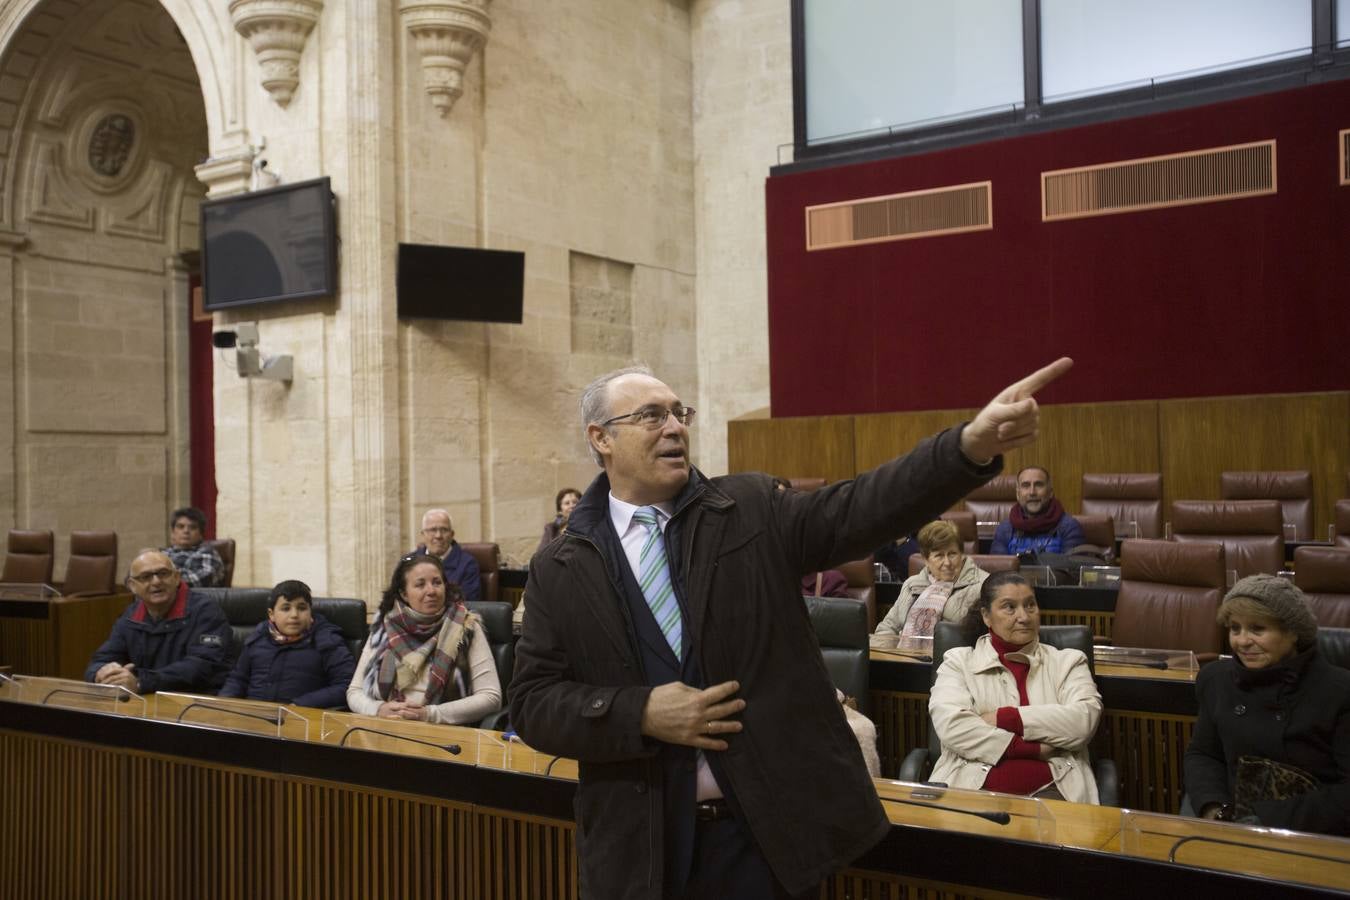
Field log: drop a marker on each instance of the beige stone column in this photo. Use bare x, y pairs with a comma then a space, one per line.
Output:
10, 243
367, 320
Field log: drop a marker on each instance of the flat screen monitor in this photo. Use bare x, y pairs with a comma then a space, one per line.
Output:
269, 245
464, 283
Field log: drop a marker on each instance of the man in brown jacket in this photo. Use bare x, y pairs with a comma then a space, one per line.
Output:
668, 650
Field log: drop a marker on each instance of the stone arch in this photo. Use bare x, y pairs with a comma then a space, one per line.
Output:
102, 120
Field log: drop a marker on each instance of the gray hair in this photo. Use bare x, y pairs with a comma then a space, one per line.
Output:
595, 403
432, 512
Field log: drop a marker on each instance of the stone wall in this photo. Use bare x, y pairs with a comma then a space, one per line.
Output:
621, 144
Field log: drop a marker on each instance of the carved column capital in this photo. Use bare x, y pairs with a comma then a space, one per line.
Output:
277, 31
228, 172
446, 34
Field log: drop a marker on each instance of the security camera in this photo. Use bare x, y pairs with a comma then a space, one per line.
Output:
248, 334
224, 340
249, 361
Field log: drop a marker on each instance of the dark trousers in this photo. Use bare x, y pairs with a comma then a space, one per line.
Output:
728, 864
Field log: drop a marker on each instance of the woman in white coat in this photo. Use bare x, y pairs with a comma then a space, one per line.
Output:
1015, 715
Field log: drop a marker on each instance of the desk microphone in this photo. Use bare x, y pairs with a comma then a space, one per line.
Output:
1142, 664
270, 720
77, 693
998, 818
1172, 853
452, 749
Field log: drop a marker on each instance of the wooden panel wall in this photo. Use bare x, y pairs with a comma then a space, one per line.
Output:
812, 447
1201, 438
1189, 441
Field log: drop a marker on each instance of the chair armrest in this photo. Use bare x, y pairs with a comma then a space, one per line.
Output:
1101, 640
915, 766
497, 721
1108, 781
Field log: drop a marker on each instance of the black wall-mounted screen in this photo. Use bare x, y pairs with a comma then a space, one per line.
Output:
270, 245
463, 283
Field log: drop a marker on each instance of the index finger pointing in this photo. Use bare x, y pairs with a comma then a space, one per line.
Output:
1040, 378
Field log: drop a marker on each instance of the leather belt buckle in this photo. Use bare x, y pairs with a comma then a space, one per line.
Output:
711, 810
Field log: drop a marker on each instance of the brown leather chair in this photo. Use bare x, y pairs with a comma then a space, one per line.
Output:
1169, 595
1126, 497
1292, 489
92, 567
991, 502
861, 578
1323, 574
30, 557
489, 558
1100, 532
990, 562
224, 547
964, 520
1342, 523
1251, 531
806, 484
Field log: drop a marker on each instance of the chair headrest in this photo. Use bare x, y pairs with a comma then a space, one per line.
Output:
1192, 564
1324, 570
93, 543
31, 541
1293, 485
1122, 486
1003, 487
1227, 517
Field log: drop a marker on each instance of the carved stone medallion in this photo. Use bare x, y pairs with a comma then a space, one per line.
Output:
110, 144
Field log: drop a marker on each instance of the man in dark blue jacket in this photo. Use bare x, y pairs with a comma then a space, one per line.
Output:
170, 639
438, 536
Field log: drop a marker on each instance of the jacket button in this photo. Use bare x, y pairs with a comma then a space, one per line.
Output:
597, 703
1240, 710
640, 787
1279, 717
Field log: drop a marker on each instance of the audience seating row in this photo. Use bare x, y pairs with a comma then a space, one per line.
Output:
245, 608
1137, 498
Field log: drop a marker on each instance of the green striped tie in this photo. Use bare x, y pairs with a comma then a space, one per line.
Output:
654, 579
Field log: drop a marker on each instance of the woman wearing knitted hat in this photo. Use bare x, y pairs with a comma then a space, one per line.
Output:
1272, 743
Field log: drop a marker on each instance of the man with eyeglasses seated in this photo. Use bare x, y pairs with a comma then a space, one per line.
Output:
669, 652
438, 536
170, 639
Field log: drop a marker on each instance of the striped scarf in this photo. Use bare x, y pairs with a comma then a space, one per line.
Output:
407, 642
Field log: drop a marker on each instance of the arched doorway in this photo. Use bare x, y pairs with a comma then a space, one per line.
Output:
101, 122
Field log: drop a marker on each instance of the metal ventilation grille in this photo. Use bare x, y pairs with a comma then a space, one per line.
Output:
898, 217
1345, 156
1179, 179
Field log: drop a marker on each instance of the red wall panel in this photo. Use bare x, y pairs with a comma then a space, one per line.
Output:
1237, 297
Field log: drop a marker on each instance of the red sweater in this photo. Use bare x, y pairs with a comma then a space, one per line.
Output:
1021, 770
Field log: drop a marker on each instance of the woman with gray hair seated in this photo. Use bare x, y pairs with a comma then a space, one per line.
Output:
1272, 742
945, 589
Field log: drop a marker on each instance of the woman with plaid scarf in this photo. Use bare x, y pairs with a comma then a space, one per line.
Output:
427, 657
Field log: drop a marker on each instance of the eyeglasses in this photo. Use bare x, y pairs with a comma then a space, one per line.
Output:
147, 577
437, 530
655, 416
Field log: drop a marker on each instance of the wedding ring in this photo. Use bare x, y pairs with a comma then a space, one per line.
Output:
709, 728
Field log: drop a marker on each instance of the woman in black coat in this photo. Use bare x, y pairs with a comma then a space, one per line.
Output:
1276, 700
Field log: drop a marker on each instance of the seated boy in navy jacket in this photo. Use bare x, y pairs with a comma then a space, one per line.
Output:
296, 656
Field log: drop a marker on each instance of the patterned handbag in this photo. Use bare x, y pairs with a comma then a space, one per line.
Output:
1259, 778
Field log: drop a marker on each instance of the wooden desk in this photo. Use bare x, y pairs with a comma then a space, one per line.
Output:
56, 636
1147, 720
104, 806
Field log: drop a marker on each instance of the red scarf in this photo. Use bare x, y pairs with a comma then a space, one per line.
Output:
1043, 521
409, 631
1020, 771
